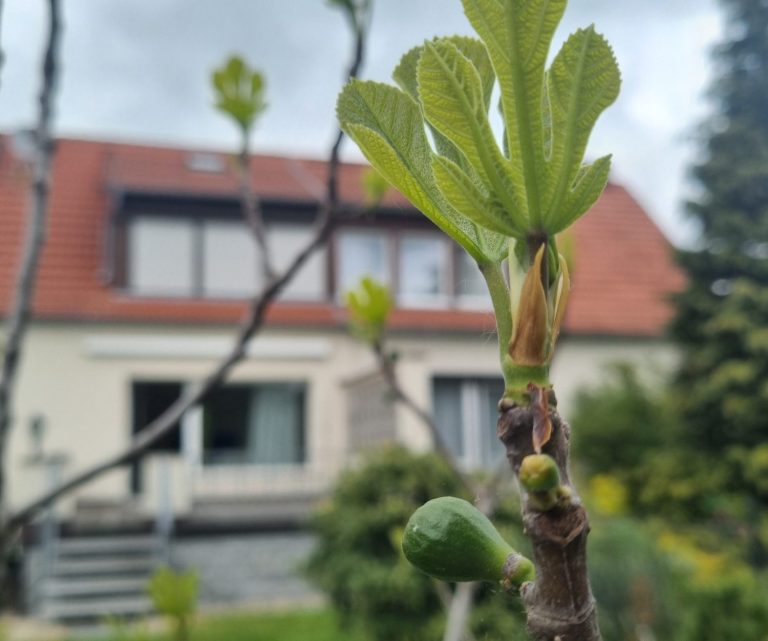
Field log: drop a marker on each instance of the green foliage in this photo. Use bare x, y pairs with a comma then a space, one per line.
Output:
723, 313
288, 625
174, 594
627, 433
634, 583
471, 188
731, 609
616, 424
122, 630
358, 562
239, 92
369, 306
375, 187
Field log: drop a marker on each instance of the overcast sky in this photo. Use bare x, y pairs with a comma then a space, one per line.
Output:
139, 71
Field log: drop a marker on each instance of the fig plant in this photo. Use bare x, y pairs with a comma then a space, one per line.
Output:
431, 138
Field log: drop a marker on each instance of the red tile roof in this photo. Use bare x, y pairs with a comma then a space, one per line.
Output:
622, 276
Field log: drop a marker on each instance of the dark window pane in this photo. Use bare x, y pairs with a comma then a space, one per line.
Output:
255, 424
150, 400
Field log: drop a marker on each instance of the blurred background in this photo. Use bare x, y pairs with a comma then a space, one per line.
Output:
278, 499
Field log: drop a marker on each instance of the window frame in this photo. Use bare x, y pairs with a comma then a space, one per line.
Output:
197, 411
387, 236
445, 298
394, 232
470, 404
304, 441
198, 211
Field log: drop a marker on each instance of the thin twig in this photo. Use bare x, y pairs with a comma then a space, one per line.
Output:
19, 313
457, 605
252, 209
166, 422
387, 368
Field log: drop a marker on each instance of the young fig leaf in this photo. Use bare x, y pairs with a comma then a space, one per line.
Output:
239, 92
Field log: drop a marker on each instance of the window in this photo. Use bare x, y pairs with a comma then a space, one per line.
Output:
471, 290
229, 267
149, 400
254, 424
160, 256
360, 254
215, 258
465, 410
424, 270
286, 242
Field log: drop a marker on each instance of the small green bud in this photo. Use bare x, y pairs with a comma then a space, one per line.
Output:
539, 473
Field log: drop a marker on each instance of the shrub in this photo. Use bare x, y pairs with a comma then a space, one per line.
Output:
358, 562
174, 594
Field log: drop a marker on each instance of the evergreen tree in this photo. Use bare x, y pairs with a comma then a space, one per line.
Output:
722, 320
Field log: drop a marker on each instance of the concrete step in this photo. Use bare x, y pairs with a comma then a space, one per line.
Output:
96, 609
57, 589
120, 566
290, 508
107, 545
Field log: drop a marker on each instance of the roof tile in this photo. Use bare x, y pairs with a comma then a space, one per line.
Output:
622, 274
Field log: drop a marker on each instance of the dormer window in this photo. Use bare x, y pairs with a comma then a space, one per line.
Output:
161, 256
206, 257
423, 268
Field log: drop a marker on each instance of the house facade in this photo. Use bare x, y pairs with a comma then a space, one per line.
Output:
146, 274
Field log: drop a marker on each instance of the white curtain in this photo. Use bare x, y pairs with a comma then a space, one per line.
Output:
274, 425
448, 414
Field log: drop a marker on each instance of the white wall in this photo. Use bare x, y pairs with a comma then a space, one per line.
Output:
79, 378
581, 362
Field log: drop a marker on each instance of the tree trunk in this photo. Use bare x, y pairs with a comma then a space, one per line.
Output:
559, 603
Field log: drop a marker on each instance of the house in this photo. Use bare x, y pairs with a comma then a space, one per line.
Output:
143, 281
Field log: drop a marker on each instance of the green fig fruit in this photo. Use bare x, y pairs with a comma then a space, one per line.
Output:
450, 539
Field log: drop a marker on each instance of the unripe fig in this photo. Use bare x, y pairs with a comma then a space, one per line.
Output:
450, 539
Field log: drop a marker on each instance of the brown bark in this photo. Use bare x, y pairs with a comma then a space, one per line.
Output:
20, 308
559, 603
252, 210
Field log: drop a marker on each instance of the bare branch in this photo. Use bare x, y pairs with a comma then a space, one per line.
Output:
19, 313
252, 210
165, 423
386, 365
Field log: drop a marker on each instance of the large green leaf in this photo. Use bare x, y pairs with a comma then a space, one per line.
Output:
472, 48
452, 98
470, 198
388, 127
590, 183
518, 34
405, 75
583, 81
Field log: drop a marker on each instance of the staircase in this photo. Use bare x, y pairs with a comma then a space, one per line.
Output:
93, 578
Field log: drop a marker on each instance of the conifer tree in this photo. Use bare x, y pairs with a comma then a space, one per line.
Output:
722, 320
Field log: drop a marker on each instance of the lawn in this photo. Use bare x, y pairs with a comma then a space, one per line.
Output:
297, 625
